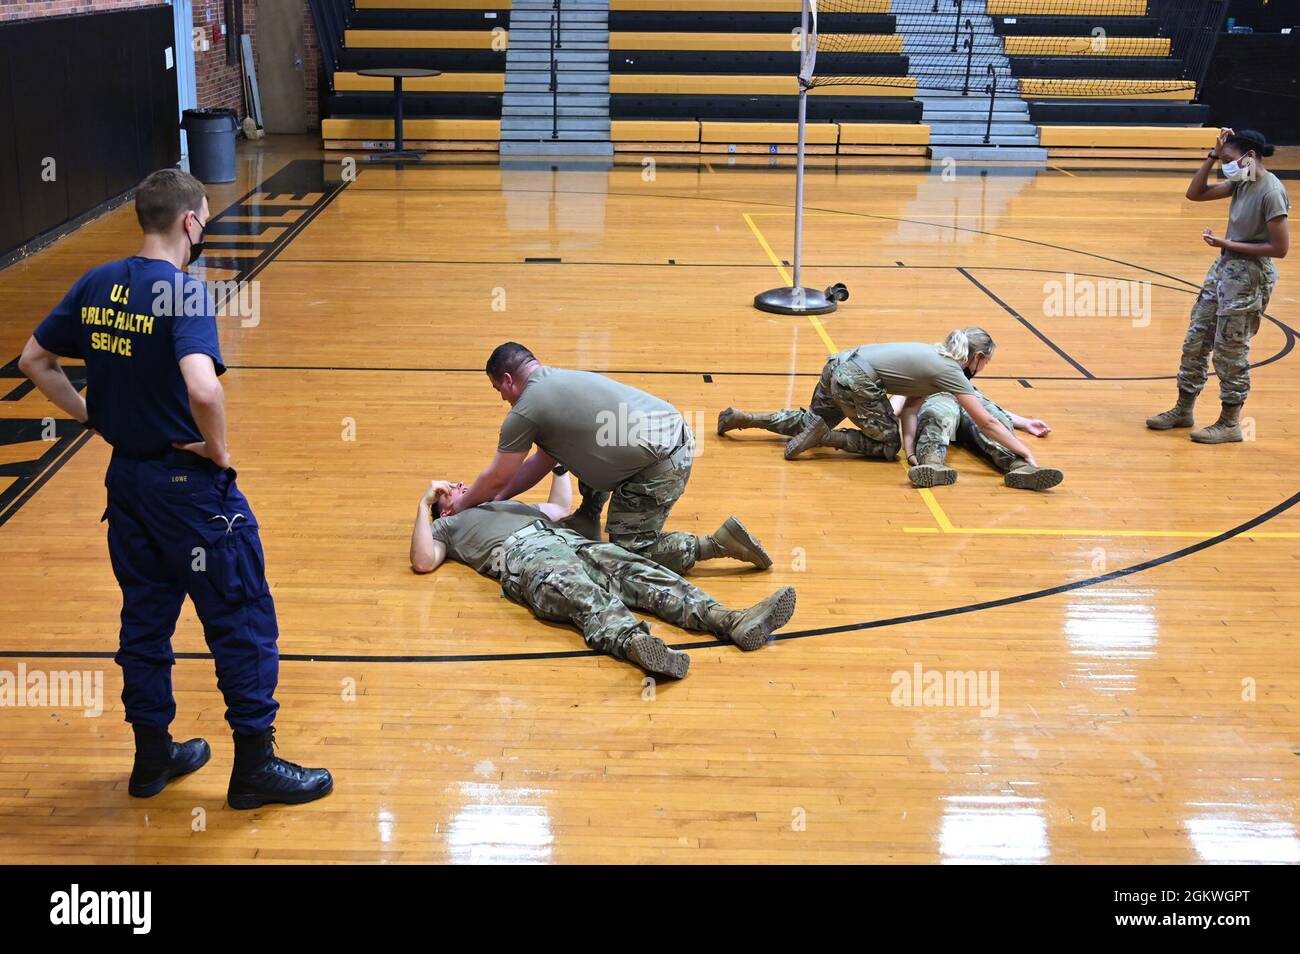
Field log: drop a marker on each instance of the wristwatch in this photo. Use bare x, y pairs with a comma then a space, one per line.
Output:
559, 470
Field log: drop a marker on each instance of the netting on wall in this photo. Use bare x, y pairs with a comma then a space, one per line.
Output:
1098, 49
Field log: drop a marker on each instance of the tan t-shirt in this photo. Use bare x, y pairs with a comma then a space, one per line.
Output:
1254, 205
602, 430
911, 369
474, 536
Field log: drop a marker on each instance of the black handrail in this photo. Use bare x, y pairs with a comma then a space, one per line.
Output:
970, 55
993, 95
956, 27
331, 19
555, 80
559, 27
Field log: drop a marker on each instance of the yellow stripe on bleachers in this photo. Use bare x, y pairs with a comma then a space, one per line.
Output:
747, 42
654, 130
1108, 89
820, 134
1072, 8
424, 39
412, 129
884, 134
433, 4
1133, 137
1086, 46
735, 6
446, 83
685, 84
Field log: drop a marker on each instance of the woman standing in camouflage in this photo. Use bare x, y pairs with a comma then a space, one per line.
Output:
1236, 290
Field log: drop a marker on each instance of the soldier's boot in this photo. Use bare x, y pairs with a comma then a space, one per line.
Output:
814, 435
734, 420
586, 519
653, 655
158, 760
930, 469
1226, 430
1026, 476
750, 628
260, 777
734, 541
1180, 415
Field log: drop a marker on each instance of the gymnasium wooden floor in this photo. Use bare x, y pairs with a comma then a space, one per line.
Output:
1140, 620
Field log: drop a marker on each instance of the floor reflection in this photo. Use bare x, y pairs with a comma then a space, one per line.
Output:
1235, 833
979, 829
499, 826
1107, 632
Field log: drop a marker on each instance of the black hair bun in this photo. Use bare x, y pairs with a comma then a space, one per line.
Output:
1252, 139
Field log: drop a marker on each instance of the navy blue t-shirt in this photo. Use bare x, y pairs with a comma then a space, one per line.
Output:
132, 321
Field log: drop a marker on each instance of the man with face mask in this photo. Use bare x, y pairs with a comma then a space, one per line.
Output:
1236, 291
177, 523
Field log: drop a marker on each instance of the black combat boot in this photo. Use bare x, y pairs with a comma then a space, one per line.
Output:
158, 760
261, 778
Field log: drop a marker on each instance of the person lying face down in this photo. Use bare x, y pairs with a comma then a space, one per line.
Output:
564, 577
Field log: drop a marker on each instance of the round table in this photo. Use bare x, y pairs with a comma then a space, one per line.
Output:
397, 74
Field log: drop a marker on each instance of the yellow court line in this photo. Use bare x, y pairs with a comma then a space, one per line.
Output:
1151, 534
927, 495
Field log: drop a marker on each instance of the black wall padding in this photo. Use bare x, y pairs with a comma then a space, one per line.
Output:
93, 93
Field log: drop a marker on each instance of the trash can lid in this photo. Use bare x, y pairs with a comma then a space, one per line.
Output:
206, 113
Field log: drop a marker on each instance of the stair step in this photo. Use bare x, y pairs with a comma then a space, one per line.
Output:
977, 139
566, 135
944, 131
989, 154
515, 123
524, 148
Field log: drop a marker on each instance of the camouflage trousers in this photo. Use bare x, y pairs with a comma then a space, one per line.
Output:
1224, 319
941, 421
846, 390
639, 507
564, 577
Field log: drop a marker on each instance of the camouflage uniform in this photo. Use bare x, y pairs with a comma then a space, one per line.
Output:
639, 507
1224, 319
942, 420
846, 390
564, 577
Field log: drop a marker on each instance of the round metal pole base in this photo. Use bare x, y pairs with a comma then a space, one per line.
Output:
795, 301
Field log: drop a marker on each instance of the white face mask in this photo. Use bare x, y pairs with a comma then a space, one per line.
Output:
1236, 172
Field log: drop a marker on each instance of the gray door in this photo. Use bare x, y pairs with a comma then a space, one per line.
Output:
280, 73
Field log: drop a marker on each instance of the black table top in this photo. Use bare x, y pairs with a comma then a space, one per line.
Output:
405, 72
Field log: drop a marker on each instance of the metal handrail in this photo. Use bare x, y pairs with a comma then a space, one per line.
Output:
555, 78
993, 96
956, 27
970, 55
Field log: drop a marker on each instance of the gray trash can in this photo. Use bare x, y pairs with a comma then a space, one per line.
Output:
211, 135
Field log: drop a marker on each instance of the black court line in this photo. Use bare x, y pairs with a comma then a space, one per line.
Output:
962, 610
1020, 318
77, 443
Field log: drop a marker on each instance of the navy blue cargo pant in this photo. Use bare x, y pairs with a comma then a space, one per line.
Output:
178, 525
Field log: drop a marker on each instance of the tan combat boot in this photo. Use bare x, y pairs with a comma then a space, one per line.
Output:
1226, 430
733, 540
750, 628
734, 420
1180, 415
653, 655
812, 436
1026, 476
930, 470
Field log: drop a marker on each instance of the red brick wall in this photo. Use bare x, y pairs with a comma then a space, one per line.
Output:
219, 86
24, 9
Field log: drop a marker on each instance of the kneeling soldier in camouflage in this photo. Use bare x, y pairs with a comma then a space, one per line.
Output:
941, 421
564, 577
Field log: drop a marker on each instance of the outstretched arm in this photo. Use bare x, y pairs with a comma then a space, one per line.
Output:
489, 484
427, 553
1031, 425
994, 428
528, 475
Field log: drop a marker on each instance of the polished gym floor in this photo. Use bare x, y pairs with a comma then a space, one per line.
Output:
1103, 673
